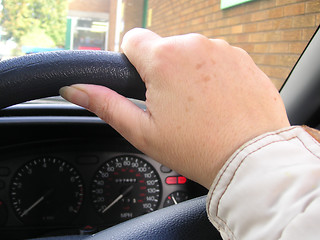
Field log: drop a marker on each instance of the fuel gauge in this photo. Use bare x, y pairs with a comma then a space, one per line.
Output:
175, 198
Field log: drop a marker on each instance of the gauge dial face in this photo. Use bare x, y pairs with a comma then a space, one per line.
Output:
125, 187
175, 198
46, 191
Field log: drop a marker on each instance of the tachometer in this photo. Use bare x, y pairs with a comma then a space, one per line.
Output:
46, 191
125, 187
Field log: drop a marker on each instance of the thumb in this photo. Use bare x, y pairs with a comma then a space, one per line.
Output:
119, 112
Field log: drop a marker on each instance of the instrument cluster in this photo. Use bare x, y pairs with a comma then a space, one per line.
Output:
80, 190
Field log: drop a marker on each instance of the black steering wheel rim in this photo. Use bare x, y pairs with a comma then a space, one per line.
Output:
42, 75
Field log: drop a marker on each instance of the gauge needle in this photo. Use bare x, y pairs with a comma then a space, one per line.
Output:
25, 212
174, 200
125, 192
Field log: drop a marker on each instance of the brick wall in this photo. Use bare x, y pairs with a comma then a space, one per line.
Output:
273, 32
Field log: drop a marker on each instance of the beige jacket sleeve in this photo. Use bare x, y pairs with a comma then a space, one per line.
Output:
270, 188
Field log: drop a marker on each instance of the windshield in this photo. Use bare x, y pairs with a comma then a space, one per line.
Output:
273, 32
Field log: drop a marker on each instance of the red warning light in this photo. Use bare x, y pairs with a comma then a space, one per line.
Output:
182, 180
176, 180
171, 180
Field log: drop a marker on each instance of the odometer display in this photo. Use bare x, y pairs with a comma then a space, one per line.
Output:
125, 187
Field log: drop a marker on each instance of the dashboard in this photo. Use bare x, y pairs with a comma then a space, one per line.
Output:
71, 175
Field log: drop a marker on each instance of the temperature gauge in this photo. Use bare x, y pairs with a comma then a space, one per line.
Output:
175, 198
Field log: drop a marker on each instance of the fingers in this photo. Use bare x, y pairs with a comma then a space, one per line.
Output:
123, 115
136, 45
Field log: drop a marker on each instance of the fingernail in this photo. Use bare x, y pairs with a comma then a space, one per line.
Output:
75, 95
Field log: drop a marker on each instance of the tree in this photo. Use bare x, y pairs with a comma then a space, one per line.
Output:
23, 17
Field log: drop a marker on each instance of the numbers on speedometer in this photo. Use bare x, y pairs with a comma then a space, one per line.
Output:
125, 187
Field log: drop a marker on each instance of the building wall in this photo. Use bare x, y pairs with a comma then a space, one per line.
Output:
133, 14
92, 37
131, 17
273, 32
112, 25
89, 5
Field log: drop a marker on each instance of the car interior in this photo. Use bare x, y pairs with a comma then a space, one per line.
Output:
59, 162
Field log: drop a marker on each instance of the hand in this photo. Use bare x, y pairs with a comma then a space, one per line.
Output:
205, 99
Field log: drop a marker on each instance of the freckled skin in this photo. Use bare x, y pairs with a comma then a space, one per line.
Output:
190, 99
206, 78
198, 66
205, 99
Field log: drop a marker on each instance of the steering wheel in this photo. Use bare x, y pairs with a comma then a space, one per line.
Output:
42, 75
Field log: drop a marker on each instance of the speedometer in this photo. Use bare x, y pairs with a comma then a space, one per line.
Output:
125, 187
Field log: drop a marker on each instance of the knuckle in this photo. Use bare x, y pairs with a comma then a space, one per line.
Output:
220, 43
162, 49
133, 38
171, 47
240, 50
105, 109
161, 54
196, 41
197, 38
